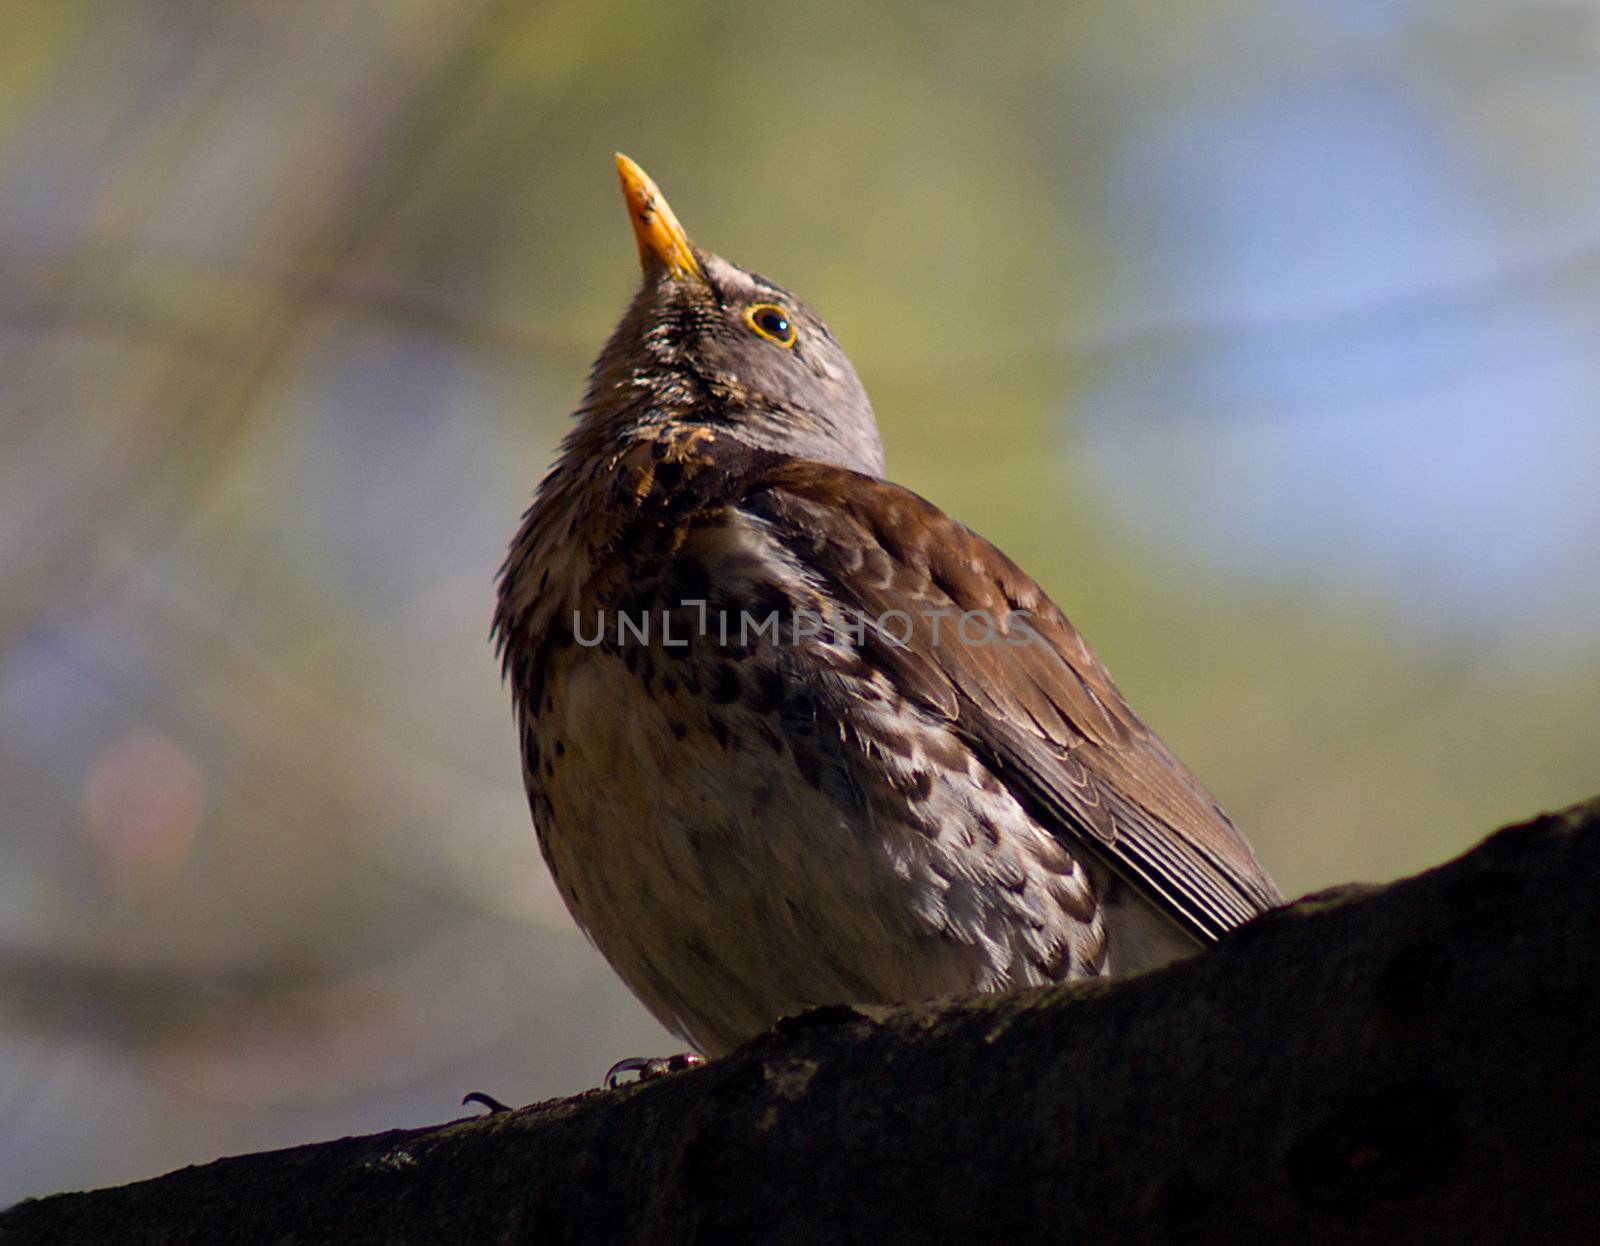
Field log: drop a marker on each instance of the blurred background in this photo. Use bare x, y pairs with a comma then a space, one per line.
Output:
1264, 334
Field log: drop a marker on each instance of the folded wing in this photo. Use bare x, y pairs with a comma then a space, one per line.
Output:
963, 630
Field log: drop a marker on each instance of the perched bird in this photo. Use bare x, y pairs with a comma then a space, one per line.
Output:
793, 736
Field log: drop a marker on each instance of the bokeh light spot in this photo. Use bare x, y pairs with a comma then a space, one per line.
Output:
143, 799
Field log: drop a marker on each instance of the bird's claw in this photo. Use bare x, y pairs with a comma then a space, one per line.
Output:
650, 1067
489, 1101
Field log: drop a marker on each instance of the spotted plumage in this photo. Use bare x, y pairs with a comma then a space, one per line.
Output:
920, 782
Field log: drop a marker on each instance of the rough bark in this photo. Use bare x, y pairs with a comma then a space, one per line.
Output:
1412, 1063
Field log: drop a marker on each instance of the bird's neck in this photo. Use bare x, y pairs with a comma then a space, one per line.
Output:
609, 478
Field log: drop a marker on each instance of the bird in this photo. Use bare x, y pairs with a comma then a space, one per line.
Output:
791, 735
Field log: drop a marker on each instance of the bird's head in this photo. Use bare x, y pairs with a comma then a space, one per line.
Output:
706, 342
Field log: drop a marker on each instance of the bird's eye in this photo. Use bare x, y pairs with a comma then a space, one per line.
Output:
771, 322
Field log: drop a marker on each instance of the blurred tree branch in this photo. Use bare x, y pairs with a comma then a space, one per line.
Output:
199, 403
1410, 1063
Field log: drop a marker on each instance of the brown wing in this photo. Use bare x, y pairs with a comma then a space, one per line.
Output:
1029, 696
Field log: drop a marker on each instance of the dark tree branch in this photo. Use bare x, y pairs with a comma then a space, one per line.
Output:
1405, 1064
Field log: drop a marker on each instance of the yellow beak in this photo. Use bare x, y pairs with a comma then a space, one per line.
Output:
661, 239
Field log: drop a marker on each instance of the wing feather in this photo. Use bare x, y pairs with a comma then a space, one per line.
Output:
992, 653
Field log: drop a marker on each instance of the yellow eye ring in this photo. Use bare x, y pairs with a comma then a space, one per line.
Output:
771, 322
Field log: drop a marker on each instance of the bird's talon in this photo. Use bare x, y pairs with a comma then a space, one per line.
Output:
489, 1101
651, 1067
633, 1064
